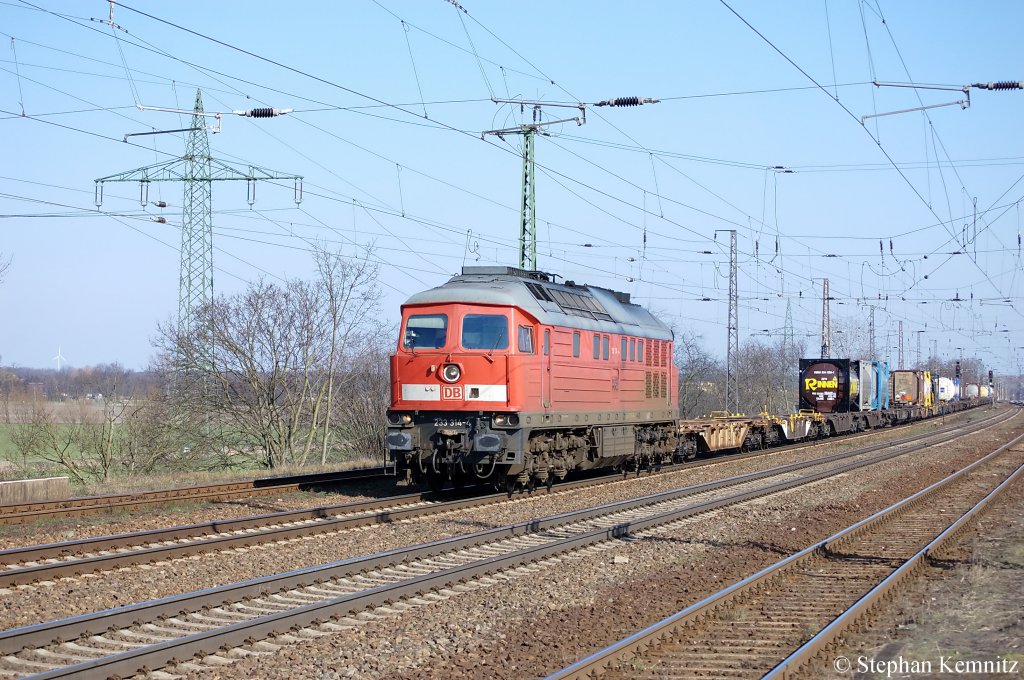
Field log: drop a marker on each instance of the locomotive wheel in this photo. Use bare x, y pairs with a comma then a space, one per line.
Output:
435, 482
510, 485
551, 482
531, 484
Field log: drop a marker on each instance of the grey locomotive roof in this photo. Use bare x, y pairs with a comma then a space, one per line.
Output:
577, 306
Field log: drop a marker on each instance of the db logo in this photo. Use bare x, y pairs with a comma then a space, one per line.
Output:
452, 392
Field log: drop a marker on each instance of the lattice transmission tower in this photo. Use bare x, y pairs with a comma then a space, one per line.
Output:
826, 322
789, 352
528, 198
900, 347
732, 354
197, 170
528, 131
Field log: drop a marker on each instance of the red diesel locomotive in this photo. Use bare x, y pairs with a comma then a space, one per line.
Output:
504, 376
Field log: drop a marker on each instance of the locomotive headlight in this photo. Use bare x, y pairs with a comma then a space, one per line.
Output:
505, 420
399, 418
451, 373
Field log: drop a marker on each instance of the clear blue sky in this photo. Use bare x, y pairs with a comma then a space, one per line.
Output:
429, 195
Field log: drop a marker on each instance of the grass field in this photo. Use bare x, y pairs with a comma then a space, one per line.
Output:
12, 466
7, 449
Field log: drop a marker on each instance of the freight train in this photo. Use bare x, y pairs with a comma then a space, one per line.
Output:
506, 377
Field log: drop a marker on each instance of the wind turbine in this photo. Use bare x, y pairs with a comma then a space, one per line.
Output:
59, 358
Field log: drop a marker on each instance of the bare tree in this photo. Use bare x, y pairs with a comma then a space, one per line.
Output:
265, 367
851, 338
359, 419
352, 296
701, 377
764, 368
102, 440
41, 437
9, 385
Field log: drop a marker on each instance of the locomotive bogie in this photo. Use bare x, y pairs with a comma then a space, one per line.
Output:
435, 447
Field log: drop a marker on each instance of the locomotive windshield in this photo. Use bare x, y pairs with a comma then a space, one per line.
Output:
485, 331
426, 331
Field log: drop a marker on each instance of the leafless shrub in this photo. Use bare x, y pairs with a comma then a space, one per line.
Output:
261, 373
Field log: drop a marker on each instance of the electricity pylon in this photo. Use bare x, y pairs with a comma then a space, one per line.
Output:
789, 353
732, 380
528, 199
732, 352
198, 170
826, 322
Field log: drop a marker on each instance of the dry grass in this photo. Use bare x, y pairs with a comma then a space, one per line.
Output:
971, 608
166, 480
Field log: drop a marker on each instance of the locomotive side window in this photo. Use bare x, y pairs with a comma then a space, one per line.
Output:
640, 350
604, 348
597, 346
485, 331
547, 342
429, 331
632, 348
576, 344
622, 354
526, 339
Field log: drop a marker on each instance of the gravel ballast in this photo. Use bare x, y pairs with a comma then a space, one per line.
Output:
546, 617
539, 622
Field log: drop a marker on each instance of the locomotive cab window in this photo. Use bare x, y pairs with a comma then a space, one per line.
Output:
485, 331
425, 331
526, 340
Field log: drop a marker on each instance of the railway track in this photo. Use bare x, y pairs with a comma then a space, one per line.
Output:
22, 513
777, 621
317, 601
19, 566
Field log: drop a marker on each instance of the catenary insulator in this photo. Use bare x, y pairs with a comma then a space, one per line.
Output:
627, 101
1001, 85
265, 112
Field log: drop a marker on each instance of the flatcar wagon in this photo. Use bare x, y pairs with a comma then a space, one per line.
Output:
505, 376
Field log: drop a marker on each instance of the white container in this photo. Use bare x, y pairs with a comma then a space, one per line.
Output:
947, 390
867, 396
971, 391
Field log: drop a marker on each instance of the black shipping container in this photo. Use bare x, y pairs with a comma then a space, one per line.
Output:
825, 385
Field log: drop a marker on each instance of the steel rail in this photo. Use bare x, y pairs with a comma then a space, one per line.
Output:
152, 656
57, 560
636, 645
828, 637
21, 513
